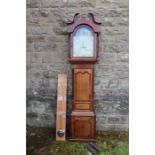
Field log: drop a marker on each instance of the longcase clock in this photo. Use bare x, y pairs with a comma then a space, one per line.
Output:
83, 53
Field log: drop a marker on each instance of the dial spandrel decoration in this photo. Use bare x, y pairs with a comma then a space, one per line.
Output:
83, 42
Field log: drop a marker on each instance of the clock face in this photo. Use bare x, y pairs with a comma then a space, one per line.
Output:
83, 42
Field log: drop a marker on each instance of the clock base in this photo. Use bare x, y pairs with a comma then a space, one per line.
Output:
82, 140
83, 125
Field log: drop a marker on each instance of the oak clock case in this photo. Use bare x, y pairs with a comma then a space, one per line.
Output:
83, 52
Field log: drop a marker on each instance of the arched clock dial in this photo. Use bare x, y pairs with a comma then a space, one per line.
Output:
83, 42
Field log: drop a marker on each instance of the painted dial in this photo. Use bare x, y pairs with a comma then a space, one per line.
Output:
83, 42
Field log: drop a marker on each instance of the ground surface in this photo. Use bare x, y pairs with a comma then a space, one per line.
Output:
41, 141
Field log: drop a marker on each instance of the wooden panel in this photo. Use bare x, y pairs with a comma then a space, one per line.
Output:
82, 106
61, 106
83, 85
83, 127
83, 113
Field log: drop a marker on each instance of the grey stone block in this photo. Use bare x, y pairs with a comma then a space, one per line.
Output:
113, 127
114, 119
33, 3
36, 57
44, 12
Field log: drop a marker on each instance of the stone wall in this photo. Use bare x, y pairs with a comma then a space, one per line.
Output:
47, 50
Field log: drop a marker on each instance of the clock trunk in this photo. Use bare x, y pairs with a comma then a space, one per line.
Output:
83, 117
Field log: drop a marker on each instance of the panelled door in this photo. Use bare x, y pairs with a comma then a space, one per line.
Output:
83, 89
